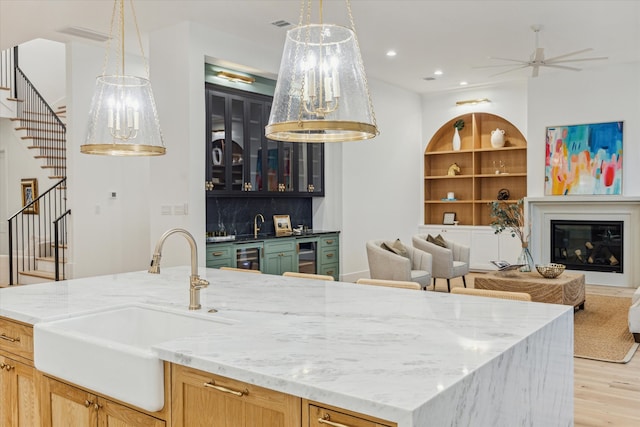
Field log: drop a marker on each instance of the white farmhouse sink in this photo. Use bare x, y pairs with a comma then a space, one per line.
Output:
109, 351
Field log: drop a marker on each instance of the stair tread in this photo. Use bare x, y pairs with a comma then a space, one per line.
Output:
43, 138
40, 130
49, 259
15, 119
39, 273
4, 88
50, 157
15, 99
46, 148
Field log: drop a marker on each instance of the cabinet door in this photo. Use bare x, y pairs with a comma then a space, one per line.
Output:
64, 405
280, 256
216, 141
202, 399
309, 164
111, 414
19, 403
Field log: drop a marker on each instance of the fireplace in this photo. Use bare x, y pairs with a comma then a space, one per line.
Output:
588, 245
603, 213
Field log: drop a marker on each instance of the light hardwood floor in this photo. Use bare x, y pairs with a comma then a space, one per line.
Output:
605, 394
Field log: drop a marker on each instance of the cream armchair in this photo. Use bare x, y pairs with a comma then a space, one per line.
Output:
448, 262
386, 265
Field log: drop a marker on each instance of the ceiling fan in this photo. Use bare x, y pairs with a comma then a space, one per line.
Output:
538, 60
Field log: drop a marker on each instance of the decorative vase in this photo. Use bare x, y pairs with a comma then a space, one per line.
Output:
497, 138
456, 140
525, 259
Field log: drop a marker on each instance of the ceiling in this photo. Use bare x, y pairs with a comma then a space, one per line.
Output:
450, 35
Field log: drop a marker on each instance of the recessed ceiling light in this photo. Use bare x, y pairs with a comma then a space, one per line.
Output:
428, 78
438, 72
391, 53
463, 83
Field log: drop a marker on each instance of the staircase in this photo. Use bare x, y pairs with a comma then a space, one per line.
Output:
38, 232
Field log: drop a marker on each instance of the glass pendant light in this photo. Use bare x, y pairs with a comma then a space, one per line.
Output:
321, 94
123, 120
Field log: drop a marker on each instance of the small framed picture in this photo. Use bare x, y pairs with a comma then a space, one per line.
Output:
282, 224
29, 190
449, 218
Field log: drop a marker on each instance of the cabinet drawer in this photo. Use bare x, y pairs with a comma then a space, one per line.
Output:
16, 338
329, 241
218, 252
320, 416
328, 255
288, 245
331, 269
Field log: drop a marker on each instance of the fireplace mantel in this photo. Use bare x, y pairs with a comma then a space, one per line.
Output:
541, 210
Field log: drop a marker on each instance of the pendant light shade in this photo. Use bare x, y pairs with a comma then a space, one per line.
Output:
321, 93
123, 120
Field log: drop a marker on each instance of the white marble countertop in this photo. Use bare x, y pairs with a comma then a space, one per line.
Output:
379, 351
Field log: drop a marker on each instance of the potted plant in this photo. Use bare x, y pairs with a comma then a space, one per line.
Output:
458, 125
510, 217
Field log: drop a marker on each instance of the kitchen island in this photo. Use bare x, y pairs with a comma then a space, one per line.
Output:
413, 358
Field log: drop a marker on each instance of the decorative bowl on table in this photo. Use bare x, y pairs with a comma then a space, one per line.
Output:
550, 271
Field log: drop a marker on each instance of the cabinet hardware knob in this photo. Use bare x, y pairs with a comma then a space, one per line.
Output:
329, 255
330, 272
97, 406
217, 253
8, 367
330, 242
212, 384
326, 419
87, 403
6, 338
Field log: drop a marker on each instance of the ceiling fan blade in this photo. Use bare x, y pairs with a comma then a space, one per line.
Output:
539, 55
569, 54
564, 67
535, 72
599, 58
509, 59
493, 66
508, 71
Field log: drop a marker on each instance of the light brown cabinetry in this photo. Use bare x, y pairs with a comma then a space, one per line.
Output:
203, 399
66, 405
19, 380
484, 170
321, 415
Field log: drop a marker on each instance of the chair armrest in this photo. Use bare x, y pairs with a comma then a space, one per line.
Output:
460, 251
441, 256
420, 259
386, 265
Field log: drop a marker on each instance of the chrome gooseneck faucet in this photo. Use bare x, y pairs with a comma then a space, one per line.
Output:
195, 282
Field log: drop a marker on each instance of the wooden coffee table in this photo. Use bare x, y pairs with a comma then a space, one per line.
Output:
567, 289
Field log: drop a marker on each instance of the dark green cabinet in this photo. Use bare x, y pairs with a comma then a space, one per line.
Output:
241, 160
306, 254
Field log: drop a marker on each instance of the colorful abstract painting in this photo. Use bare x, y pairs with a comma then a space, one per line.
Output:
584, 159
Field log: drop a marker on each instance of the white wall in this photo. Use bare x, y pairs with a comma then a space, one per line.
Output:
107, 235
43, 62
603, 94
381, 186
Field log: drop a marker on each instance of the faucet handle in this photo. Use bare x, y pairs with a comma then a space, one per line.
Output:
198, 283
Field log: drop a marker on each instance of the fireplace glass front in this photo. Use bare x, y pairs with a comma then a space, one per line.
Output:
587, 245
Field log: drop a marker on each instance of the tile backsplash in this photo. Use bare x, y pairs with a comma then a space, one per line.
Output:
235, 215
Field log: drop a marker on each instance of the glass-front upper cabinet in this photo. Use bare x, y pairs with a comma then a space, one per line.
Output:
310, 168
240, 159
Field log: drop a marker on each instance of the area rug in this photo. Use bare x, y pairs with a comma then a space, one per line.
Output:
601, 330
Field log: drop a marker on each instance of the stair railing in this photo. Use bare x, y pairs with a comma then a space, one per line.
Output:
60, 229
34, 232
43, 126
